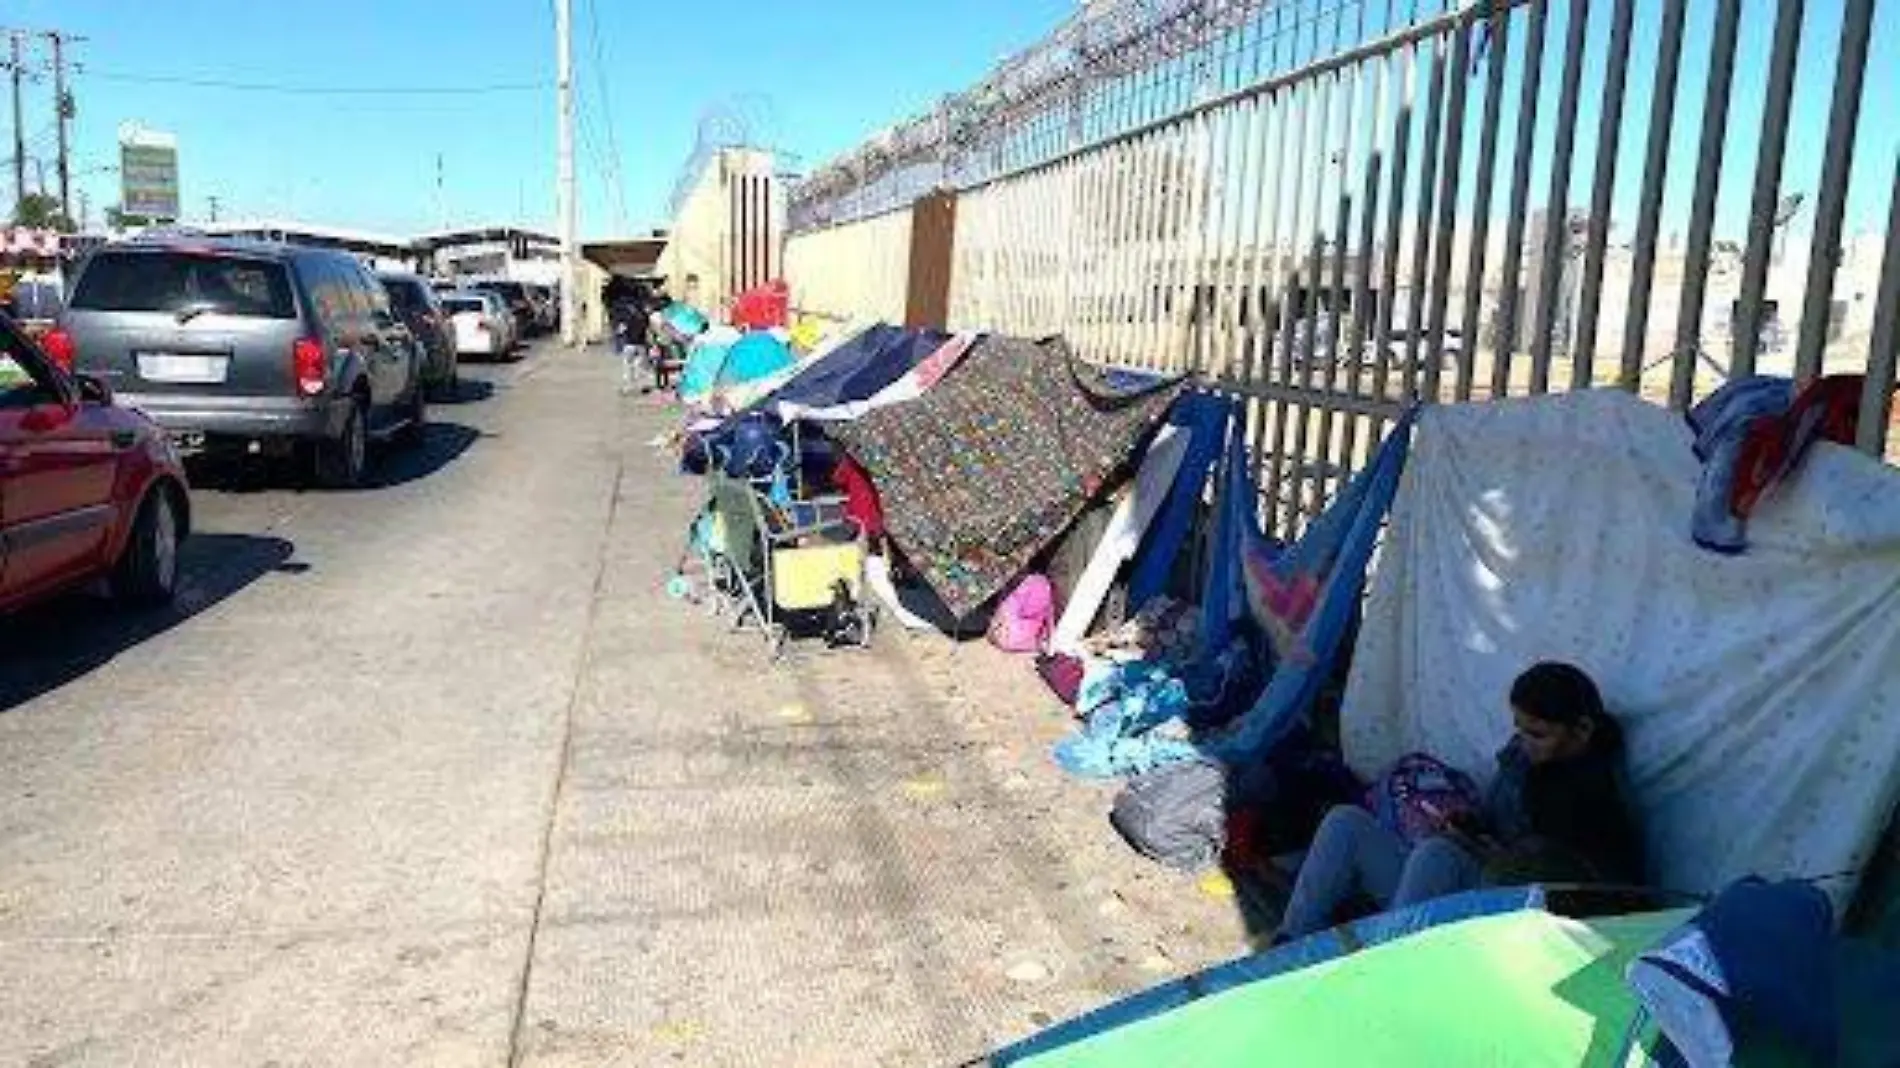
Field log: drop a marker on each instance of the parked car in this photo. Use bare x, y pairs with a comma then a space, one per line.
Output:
34, 302
482, 324
502, 317
248, 343
91, 489
516, 295
421, 311
547, 307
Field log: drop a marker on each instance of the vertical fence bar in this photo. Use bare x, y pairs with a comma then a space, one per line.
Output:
1557, 211
1695, 262
1422, 243
1268, 351
1883, 346
1453, 172
1831, 201
1603, 185
1105, 268
1342, 227
1137, 206
1305, 341
1254, 308
1216, 133
1394, 228
1088, 258
1169, 191
1662, 113
1289, 317
1362, 312
1504, 339
1745, 324
1243, 175
1468, 323
1182, 183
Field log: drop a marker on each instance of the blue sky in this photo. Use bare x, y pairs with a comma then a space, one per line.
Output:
811, 76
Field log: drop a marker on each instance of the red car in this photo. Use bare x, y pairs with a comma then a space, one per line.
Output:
88, 489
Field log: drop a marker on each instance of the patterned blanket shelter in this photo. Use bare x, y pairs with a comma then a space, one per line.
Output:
978, 475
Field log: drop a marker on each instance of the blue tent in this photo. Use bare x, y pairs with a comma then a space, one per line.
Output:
718, 361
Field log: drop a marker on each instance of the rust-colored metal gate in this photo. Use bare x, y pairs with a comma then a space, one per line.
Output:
933, 238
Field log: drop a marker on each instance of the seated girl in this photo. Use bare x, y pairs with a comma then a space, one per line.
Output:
1556, 812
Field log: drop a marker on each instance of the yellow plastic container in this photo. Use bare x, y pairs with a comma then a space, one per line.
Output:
808, 577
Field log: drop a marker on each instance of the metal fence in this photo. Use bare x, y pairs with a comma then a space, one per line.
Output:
1432, 204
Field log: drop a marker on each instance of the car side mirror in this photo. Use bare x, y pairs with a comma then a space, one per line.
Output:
93, 390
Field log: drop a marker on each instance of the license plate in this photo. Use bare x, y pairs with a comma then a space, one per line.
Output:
177, 367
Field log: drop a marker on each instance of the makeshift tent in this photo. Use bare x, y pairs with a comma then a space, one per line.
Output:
1479, 978
857, 370
1495, 977
908, 387
983, 471
725, 373
684, 318
703, 363
1302, 598
1760, 693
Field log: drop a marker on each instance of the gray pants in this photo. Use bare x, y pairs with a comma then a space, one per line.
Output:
1355, 853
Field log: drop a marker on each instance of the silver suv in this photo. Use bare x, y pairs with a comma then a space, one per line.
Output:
238, 342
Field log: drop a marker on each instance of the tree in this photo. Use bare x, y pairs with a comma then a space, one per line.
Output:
41, 212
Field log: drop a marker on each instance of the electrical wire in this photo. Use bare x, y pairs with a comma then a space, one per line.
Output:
618, 189
319, 90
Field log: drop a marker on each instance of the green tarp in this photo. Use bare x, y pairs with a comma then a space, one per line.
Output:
1524, 989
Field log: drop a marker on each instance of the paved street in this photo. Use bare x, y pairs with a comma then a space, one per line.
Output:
431, 773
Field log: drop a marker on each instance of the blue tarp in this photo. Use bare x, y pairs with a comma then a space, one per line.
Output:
1205, 417
754, 356
859, 368
1328, 563
1334, 550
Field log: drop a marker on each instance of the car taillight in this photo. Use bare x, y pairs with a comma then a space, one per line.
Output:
59, 346
307, 364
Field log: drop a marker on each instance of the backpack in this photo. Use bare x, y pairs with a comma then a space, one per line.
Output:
1418, 795
1025, 618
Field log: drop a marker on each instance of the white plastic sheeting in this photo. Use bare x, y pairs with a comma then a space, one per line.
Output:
1761, 693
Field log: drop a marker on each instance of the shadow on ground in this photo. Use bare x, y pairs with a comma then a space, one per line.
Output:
47, 646
389, 464
464, 391
442, 444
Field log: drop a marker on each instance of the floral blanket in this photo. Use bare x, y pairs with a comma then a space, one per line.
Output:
982, 472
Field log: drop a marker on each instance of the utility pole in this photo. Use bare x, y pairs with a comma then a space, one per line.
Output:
564, 179
63, 112
441, 202
211, 203
19, 123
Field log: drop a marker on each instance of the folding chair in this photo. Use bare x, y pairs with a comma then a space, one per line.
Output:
778, 564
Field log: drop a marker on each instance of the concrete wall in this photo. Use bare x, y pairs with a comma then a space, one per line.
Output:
708, 227
859, 269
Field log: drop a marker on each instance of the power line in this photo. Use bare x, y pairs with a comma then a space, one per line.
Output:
619, 191
318, 90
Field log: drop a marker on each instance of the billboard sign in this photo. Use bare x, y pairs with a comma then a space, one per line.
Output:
148, 173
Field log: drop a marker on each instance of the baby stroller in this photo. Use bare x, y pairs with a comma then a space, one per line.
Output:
793, 568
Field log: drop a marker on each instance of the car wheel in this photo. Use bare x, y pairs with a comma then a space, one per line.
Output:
147, 571
341, 460
415, 426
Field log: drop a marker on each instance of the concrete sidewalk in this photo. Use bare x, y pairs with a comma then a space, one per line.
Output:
849, 859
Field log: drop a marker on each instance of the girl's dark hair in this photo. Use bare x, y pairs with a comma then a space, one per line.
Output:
1563, 694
